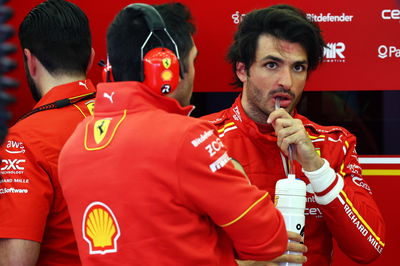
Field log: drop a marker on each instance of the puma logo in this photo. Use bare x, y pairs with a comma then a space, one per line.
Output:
83, 84
108, 96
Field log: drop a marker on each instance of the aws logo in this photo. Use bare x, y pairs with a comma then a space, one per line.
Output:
100, 229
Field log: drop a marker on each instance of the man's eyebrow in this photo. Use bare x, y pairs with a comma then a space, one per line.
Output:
278, 59
302, 62
271, 57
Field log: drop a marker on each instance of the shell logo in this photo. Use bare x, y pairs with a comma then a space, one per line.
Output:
100, 228
166, 75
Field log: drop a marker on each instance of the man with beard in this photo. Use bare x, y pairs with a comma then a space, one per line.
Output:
273, 52
35, 227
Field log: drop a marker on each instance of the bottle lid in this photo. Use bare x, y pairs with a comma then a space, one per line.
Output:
295, 187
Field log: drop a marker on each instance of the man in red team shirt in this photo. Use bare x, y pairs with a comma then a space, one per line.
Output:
146, 184
272, 54
35, 227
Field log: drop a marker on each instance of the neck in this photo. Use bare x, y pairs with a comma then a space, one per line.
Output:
48, 81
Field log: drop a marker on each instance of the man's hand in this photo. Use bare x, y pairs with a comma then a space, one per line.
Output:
294, 246
291, 131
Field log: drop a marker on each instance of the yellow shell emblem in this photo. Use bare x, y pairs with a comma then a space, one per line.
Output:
100, 129
166, 62
100, 229
166, 75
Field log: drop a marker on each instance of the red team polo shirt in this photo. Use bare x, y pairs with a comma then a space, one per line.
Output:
147, 185
31, 203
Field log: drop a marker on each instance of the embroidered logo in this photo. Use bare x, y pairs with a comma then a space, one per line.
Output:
108, 96
90, 106
100, 129
83, 84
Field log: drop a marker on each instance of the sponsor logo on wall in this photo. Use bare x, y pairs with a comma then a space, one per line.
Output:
390, 14
334, 52
388, 51
237, 17
328, 17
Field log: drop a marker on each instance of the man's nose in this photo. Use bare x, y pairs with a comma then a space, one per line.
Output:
286, 78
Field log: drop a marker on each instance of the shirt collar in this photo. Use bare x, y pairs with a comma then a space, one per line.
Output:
118, 96
67, 90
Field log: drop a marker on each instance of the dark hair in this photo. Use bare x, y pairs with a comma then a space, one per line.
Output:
283, 22
57, 32
129, 30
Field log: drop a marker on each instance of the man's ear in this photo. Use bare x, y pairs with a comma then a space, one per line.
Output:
91, 59
31, 62
241, 71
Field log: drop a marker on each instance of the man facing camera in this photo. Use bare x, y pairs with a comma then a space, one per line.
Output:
273, 52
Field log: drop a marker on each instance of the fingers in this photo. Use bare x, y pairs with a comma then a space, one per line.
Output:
279, 113
295, 134
297, 247
291, 131
295, 237
293, 258
256, 263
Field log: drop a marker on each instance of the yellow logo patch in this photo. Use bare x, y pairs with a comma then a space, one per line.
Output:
100, 229
166, 75
166, 62
100, 129
276, 200
90, 107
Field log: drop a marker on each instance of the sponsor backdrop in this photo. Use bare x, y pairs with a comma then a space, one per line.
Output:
363, 53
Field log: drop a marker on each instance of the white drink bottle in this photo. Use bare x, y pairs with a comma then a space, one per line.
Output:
290, 199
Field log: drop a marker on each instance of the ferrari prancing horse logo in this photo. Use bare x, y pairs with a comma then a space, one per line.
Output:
100, 129
166, 62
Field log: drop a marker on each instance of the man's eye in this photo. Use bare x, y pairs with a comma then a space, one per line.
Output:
299, 68
271, 65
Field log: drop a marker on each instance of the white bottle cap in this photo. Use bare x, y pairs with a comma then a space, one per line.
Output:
293, 187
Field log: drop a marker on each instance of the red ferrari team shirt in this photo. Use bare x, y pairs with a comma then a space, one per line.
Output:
344, 211
147, 185
32, 206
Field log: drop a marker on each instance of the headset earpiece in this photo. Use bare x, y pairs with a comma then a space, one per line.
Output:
106, 74
161, 70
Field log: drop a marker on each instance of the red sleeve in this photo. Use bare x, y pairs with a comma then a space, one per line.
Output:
212, 186
353, 216
25, 190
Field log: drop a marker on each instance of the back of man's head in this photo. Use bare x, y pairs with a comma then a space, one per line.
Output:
57, 33
129, 30
283, 22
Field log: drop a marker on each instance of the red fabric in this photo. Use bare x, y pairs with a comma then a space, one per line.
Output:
261, 158
31, 202
162, 182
